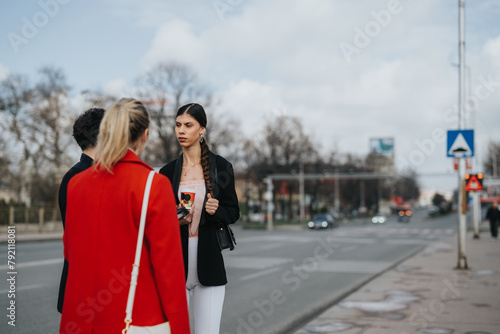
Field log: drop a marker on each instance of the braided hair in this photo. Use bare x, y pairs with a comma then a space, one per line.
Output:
198, 113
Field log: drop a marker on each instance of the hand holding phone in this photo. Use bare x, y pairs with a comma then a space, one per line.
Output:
184, 215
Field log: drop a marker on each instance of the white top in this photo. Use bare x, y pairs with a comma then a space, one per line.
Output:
199, 188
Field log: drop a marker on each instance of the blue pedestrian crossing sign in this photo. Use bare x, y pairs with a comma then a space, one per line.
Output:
460, 143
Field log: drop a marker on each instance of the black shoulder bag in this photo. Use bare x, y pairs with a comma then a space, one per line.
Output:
225, 235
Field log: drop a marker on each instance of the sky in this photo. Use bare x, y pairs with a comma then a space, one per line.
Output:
349, 70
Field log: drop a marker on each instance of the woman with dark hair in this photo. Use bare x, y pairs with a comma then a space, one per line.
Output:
211, 179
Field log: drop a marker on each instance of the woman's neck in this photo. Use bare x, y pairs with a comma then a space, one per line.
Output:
191, 155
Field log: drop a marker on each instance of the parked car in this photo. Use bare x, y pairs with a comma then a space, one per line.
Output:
323, 221
379, 219
433, 211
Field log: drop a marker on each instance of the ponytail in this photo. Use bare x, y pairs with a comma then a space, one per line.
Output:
121, 126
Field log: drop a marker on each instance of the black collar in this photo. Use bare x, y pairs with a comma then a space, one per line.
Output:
85, 159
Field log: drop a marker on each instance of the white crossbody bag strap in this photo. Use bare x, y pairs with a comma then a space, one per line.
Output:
137, 260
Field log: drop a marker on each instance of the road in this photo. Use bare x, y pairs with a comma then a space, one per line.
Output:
277, 279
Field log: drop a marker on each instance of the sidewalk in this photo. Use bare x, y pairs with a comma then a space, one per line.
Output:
425, 294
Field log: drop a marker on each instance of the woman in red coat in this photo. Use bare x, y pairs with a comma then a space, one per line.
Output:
102, 220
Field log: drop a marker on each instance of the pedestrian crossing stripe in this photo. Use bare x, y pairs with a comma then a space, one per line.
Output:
393, 231
460, 143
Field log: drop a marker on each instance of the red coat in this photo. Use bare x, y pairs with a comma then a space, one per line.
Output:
102, 221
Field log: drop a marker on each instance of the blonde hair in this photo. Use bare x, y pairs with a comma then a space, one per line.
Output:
121, 126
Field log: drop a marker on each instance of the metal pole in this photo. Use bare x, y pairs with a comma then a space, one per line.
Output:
462, 258
270, 205
41, 218
301, 192
337, 193
379, 195
476, 205
11, 215
362, 195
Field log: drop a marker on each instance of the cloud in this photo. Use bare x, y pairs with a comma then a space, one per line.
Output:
491, 51
117, 87
175, 41
255, 102
4, 72
285, 54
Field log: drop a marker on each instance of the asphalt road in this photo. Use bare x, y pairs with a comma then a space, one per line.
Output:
277, 280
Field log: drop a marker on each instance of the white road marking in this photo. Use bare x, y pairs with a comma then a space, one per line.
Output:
407, 241
22, 288
353, 266
254, 262
352, 240
281, 238
34, 263
260, 273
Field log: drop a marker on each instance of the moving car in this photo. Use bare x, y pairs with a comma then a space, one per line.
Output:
323, 221
404, 216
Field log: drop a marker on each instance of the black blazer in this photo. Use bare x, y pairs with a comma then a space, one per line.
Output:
211, 270
84, 163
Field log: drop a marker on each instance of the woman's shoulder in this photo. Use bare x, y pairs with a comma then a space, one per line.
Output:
221, 162
219, 159
168, 169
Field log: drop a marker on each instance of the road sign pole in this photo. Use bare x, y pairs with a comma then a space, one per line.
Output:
462, 210
462, 203
476, 214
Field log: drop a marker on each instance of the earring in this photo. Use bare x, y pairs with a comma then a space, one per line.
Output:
201, 139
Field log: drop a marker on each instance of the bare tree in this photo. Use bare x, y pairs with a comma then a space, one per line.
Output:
51, 116
15, 96
164, 89
6, 175
282, 144
223, 136
492, 162
15, 99
36, 117
97, 98
281, 147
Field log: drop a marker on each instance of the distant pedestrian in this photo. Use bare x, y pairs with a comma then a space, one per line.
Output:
85, 131
102, 220
493, 215
211, 179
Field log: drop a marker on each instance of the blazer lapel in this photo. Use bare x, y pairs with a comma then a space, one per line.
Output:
176, 179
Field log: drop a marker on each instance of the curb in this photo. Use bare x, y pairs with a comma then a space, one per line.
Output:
20, 237
298, 322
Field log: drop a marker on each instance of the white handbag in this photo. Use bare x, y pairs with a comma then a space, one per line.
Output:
163, 328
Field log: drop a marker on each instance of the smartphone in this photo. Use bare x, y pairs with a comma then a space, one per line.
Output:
182, 212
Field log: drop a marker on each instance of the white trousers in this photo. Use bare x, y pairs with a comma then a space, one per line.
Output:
207, 301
